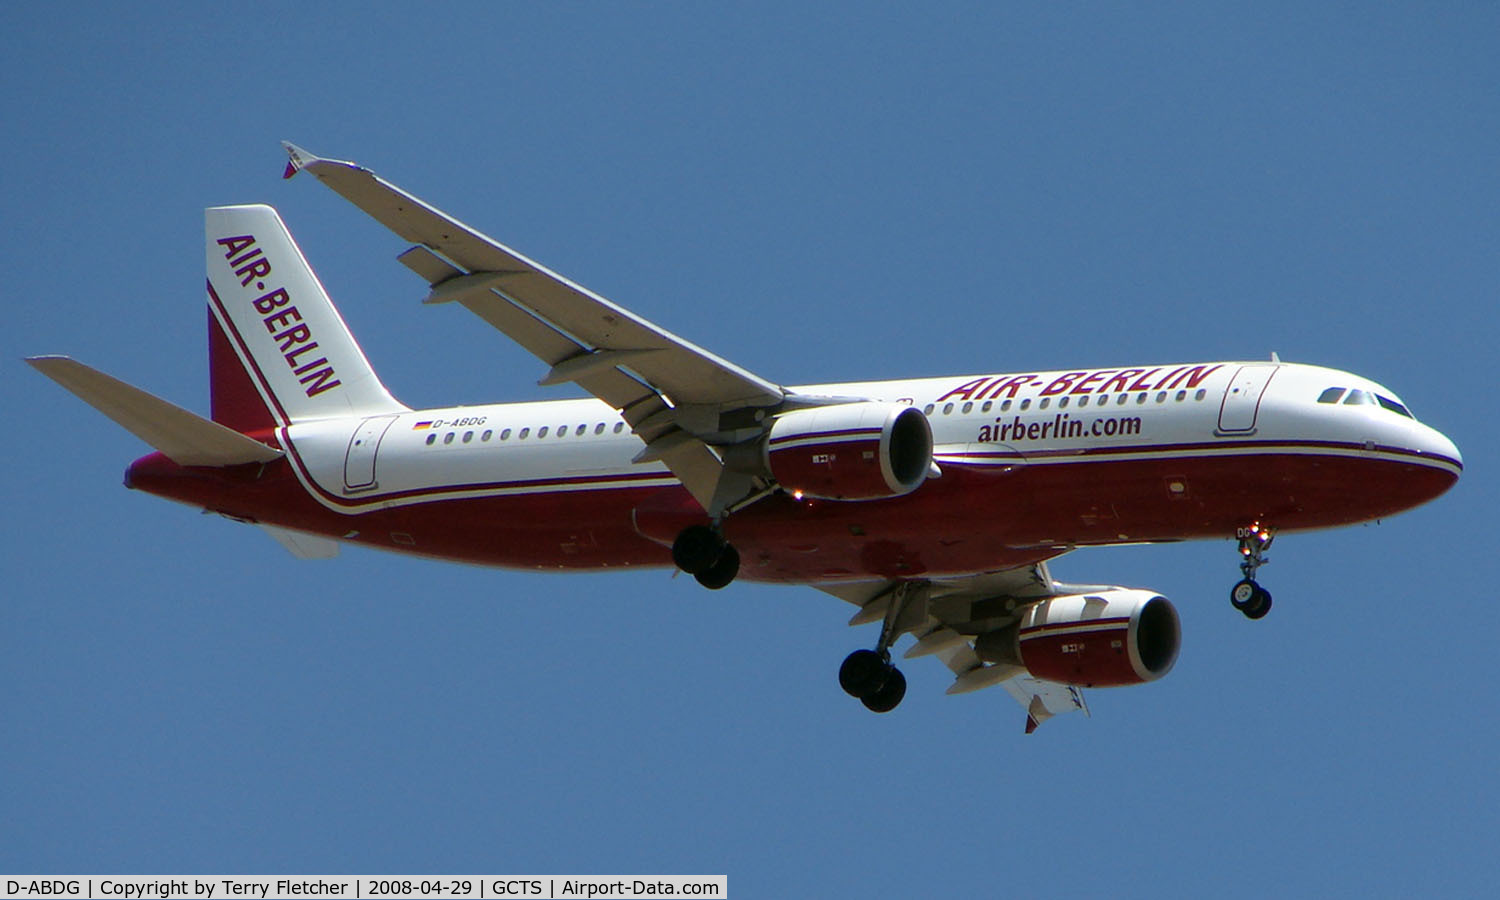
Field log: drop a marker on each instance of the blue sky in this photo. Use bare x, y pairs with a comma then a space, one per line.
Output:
826, 193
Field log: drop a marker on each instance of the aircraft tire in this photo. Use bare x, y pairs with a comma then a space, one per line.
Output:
1260, 605
863, 673
723, 570
1250, 598
697, 549
890, 694
1242, 594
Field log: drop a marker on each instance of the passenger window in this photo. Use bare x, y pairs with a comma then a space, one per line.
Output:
968, 407
1084, 400
1063, 403
541, 432
928, 409
1026, 404
599, 429
1046, 402
505, 435
432, 438
448, 438
619, 427
1332, 395
487, 435
524, 433
986, 406
947, 408
468, 436
1181, 396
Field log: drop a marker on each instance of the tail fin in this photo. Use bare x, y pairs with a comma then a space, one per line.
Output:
278, 349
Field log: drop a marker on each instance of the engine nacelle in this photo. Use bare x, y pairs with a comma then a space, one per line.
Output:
853, 451
1112, 638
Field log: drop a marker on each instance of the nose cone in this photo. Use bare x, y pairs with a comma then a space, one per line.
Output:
1428, 463
1435, 447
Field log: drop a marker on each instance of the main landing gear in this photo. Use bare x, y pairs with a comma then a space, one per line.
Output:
868, 674
703, 553
1248, 596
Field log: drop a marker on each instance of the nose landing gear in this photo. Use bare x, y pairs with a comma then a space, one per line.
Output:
1247, 595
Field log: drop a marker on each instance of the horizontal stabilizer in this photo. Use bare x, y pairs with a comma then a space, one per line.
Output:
185, 438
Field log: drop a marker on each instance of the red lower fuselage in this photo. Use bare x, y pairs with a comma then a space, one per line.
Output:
973, 518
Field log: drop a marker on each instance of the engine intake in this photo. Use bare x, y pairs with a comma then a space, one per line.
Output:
852, 451
1112, 638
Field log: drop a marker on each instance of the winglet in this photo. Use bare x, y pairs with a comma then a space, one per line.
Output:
297, 158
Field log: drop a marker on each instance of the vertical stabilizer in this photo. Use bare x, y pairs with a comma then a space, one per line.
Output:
274, 334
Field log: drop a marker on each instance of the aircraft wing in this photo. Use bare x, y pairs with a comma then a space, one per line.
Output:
673, 393
943, 614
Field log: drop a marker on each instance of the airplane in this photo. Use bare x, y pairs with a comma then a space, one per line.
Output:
932, 505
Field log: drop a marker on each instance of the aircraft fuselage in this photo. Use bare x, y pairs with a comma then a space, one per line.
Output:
1030, 466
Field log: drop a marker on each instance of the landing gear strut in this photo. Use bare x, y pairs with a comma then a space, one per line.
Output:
1248, 596
703, 553
868, 674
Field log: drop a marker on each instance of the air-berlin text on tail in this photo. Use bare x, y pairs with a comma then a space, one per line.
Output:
280, 317
1097, 381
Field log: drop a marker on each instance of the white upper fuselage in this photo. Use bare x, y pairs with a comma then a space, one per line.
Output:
353, 465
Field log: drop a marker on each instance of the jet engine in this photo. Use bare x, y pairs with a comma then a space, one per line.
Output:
1112, 638
852, 451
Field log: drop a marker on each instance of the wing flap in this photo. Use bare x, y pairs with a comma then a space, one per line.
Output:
185, 438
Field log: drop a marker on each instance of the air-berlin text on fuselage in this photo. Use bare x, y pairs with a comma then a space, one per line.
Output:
280, 317
1098, 381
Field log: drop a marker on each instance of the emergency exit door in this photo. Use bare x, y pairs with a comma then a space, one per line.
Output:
1241, 404
359, 461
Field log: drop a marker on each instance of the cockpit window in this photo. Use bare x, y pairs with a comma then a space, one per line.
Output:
1393, 406
1364, 398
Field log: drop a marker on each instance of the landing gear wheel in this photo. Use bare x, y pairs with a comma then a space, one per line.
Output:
864, 673
890, 694
722, 572
1247, 596
868, 674
1251, 599
697, 548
